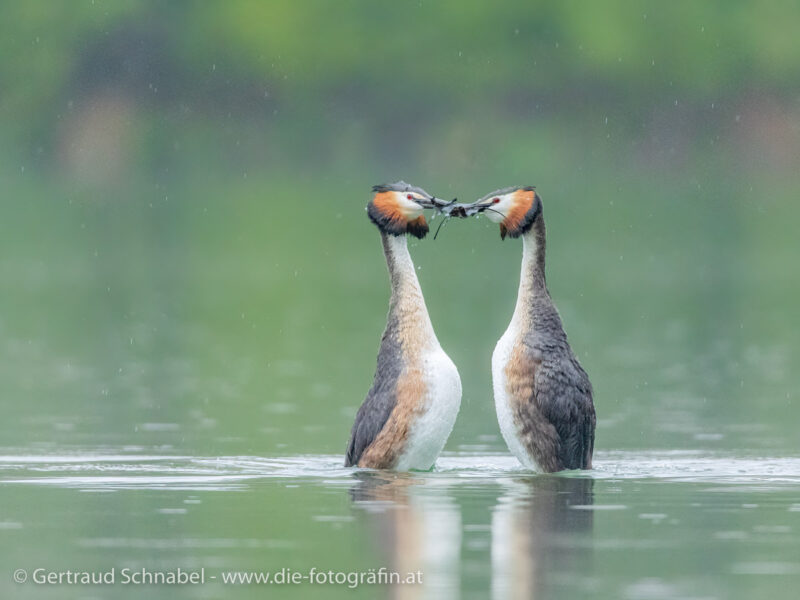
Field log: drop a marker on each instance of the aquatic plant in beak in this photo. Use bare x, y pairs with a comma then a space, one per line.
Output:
453, 208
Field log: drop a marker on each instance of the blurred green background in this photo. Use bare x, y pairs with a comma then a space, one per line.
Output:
187, 270
186, 262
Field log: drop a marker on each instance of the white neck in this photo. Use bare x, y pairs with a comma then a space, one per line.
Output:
407, 299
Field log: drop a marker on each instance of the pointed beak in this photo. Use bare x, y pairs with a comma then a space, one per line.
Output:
427, 202
439, 204
468, 210
453, 208
433, 202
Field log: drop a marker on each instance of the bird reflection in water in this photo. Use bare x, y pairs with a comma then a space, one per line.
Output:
540, 528
414, 529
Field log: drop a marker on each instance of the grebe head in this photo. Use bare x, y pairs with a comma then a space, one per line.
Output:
514, 208
397, 208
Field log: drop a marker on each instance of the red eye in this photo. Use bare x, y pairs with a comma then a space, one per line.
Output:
496, 200
410, 197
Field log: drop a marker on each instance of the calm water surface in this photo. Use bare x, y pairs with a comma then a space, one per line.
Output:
686, 524
179, 379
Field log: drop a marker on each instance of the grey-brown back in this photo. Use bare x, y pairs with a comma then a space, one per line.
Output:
562, 392
382, 396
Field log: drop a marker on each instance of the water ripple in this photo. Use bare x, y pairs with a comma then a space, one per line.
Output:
118, 471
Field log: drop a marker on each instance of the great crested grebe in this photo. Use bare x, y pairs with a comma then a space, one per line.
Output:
542, 395
412, 405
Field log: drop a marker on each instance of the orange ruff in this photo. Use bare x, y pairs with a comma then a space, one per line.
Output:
386, 203
523, 202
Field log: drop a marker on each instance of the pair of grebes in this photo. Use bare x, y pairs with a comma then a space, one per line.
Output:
542, 395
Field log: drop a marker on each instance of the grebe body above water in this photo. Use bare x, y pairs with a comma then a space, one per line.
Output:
411, 407
543, 397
